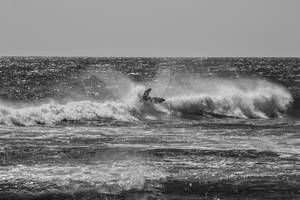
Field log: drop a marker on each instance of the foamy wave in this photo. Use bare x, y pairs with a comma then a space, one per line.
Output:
128, 108
239, 98
235, 100
52, 113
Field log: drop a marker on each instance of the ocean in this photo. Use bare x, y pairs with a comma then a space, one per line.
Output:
76, 128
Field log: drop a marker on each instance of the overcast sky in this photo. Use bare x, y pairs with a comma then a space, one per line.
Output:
150, 27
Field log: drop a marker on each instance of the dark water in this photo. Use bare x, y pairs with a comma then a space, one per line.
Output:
75, 128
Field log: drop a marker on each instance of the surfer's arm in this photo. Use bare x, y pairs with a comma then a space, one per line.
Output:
146, 94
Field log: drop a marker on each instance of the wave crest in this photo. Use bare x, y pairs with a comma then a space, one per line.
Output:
235, 99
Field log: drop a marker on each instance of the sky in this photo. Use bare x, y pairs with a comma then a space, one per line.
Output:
184, 28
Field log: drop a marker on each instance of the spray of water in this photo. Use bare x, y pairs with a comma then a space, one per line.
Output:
242, 98
186, 95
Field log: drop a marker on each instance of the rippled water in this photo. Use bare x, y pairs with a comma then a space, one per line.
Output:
224, 132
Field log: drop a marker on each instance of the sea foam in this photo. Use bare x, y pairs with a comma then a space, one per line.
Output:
185, 97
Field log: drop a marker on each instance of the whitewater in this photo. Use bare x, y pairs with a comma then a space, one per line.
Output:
251, 98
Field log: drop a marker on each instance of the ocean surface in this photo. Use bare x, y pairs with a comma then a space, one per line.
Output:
76, 128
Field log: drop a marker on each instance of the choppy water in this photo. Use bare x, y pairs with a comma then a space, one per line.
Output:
74, 128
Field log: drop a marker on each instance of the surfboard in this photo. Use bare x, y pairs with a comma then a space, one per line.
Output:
157, 99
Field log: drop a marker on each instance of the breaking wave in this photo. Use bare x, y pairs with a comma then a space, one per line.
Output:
259, 99
128, 109
52, 113
186, 96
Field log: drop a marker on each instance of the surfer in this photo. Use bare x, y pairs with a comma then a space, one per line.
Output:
147, 98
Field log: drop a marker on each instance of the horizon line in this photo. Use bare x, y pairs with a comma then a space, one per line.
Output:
92, 56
